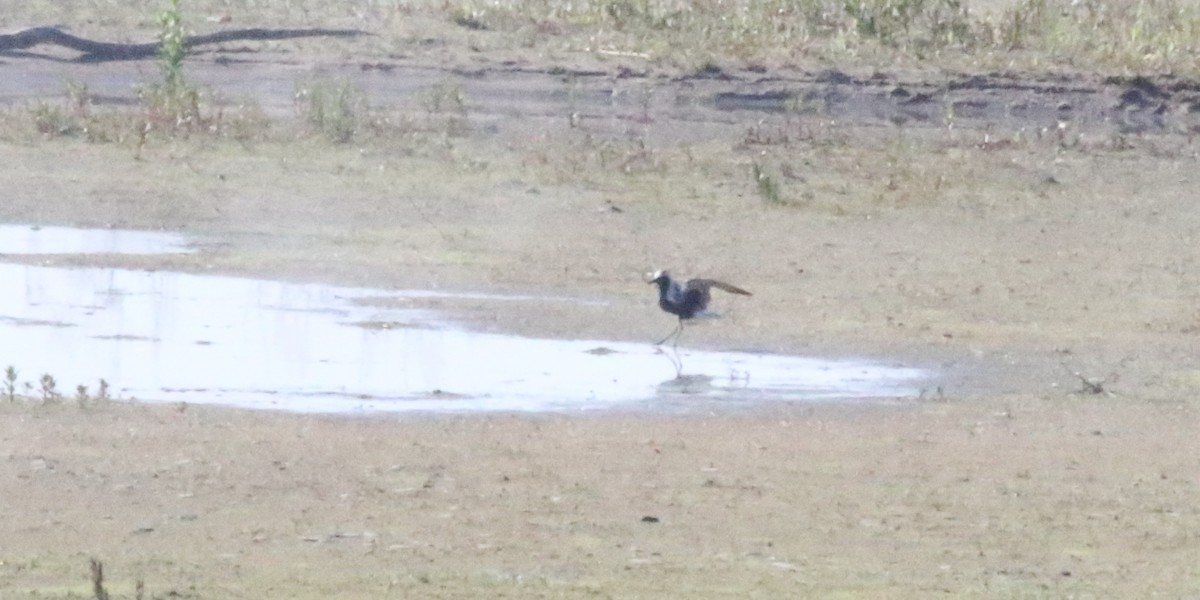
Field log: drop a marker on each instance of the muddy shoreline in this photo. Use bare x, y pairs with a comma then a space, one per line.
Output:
1037, 103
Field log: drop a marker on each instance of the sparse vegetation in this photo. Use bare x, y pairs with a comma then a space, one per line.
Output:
1158, 35
10, 383
1106, 35
334, 109
448, 102
894, 22
49, 388
52, 120
81, 395
85, 399
468, 16
767, 183
98, 590
174, 104
76, 117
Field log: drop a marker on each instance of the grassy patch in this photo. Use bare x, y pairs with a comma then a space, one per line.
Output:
1107, 35
1140, 35
334, 109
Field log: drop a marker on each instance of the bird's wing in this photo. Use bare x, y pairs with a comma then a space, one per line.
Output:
720, 285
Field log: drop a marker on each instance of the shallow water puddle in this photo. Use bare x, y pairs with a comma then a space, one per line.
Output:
173, 337
170, 337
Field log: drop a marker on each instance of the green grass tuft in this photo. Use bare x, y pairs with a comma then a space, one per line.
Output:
767, 184
332, 108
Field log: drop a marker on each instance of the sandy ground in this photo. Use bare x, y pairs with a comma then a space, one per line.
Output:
1022, 498
1008, 257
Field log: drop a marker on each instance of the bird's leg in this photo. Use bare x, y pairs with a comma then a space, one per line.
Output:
674, 333
672, 356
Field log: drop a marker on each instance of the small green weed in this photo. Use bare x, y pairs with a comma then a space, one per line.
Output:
70, 119
84, 398
98, 591
446, 108
174, 103
248, 123
173, 49
10, 383
52, 120
81, 395
334, 109
767, 183
470, 17
444, 97
49, 388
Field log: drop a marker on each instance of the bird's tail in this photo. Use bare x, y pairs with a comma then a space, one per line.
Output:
732, 289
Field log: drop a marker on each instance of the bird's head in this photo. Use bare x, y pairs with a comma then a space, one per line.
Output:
657, 276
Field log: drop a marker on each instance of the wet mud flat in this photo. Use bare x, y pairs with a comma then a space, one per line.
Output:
710, 101
161, 336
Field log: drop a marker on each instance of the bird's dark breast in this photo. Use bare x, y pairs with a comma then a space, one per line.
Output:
686, 305
676, 309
